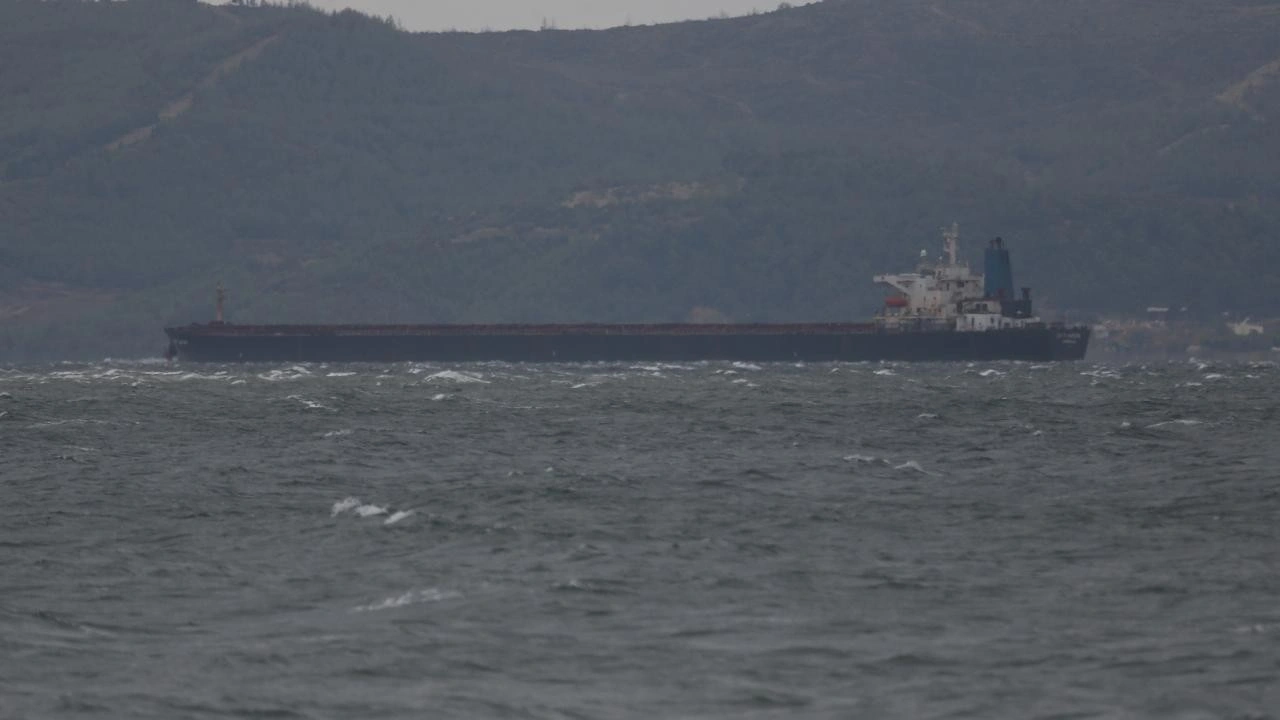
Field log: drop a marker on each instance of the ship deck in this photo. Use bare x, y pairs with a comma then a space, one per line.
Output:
586, 329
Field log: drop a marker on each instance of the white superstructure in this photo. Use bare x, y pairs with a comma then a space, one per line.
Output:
948, 294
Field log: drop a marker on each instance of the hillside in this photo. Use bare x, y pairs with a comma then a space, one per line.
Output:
334, 168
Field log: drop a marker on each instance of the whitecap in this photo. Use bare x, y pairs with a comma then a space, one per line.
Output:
337, 433
439, 397
280, 376
397, 517
309, 404
1214, 376
885, 372
1102, 373
865, 459
68, 375
144, 361
340, 374
912, 465
409, 598
990, 373
747, 366
1167, 423
927, 416
345, 504
455, 376
365, 511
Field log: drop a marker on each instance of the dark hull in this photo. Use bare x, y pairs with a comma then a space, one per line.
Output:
754, 343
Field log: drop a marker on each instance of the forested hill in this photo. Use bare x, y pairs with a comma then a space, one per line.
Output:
331, 167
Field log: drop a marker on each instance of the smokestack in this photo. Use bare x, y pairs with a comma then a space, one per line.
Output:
998, 271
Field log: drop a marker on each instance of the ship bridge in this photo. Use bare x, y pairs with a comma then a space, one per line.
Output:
936, 291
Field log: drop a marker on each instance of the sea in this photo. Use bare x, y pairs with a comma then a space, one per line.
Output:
709, 540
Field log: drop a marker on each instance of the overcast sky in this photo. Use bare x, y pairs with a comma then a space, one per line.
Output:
509, 14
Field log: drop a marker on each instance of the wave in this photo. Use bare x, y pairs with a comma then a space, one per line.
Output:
284, 375
343, 505
913, 465
455, 376
359, 508
413, 597
309, 404
866, 459
1170, 423
397, 517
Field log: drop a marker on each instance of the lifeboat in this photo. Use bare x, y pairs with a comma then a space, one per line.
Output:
896, 301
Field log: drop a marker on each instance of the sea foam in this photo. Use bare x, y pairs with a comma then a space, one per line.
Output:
359, 508
409, 598
455, 376
912, 465
1168, 423
345, 504
397, 517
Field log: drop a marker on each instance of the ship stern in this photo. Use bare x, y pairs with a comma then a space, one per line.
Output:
1069, 342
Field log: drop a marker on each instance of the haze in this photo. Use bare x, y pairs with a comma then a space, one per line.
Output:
478, 15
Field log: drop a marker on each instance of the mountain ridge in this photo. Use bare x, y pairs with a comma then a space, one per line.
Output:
1123, 149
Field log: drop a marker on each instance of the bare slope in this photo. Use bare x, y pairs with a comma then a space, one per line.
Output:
761, 167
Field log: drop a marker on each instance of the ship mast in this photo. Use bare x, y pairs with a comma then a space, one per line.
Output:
221, 300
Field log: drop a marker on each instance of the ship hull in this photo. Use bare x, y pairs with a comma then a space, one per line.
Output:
815, 343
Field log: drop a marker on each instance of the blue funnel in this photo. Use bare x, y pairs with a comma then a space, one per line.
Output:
998, 272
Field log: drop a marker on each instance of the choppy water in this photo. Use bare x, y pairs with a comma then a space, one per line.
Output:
617, 541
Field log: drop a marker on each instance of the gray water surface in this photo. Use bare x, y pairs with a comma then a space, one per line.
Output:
640, 541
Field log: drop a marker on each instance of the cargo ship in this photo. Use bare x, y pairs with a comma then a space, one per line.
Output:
944, 311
